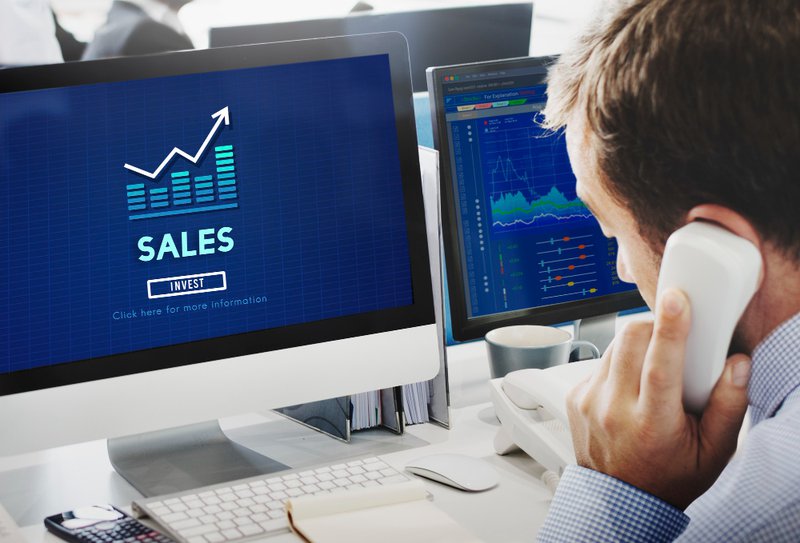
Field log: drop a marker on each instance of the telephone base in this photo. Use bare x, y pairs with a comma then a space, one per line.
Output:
540, 427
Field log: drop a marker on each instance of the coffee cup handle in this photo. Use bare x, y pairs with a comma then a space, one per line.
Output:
577, 344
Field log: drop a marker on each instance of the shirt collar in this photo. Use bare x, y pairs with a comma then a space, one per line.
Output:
776, 371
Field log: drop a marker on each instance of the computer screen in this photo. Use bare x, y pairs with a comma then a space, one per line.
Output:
435, 36
212, 211
520, 246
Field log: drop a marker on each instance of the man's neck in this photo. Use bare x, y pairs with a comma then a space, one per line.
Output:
777, 300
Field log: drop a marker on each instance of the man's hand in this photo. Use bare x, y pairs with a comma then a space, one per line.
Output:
628, 421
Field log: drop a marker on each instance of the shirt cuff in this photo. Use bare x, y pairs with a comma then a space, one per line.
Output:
592, 506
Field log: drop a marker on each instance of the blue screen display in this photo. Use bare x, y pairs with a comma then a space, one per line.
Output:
527, 240
161, 211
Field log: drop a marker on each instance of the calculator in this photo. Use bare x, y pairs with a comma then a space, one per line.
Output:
102, 524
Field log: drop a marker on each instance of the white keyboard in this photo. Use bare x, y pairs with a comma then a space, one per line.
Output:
255, 507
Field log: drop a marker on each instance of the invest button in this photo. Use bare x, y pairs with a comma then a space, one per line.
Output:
186, 284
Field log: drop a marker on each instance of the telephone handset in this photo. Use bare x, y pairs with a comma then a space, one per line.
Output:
718, 271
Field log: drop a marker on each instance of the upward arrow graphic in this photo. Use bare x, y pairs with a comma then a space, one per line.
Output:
223, 115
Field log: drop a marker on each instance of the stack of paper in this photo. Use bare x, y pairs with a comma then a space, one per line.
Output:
366, 410
416, 398
396, 513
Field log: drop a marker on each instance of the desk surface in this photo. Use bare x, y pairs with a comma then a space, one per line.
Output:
43, 483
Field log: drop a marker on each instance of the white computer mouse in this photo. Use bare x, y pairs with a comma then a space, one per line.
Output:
457, 470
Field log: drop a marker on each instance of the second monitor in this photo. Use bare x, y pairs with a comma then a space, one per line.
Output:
520, 246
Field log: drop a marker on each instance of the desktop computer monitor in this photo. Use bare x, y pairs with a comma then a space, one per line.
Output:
195, 235
435, 36
520, 247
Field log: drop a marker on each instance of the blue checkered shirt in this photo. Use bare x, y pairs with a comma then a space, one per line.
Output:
756, 498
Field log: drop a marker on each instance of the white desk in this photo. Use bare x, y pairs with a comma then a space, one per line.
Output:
38, 484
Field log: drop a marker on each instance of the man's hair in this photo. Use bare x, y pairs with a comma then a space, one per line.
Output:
689, 102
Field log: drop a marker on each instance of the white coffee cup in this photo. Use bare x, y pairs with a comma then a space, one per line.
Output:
512, 348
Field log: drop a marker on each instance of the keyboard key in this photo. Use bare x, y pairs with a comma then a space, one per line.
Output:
198, 530
274, 524
215, 537
174, 517
183, 524
393, 479
251, 529
225, 525
232, 533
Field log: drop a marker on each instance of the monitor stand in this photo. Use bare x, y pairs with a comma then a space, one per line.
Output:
179, 459
599, 330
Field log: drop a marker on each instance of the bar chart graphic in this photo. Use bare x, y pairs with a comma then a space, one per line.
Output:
185, 192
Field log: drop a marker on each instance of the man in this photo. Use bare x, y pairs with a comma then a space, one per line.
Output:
677, 111
139, 27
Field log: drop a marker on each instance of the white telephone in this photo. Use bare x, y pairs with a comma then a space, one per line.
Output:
717, 270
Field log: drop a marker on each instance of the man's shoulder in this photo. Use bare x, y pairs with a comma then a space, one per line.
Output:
759, 491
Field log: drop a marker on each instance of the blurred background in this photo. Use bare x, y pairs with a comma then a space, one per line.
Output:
554, 21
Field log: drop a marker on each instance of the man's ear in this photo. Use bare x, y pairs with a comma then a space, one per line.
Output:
728, 219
